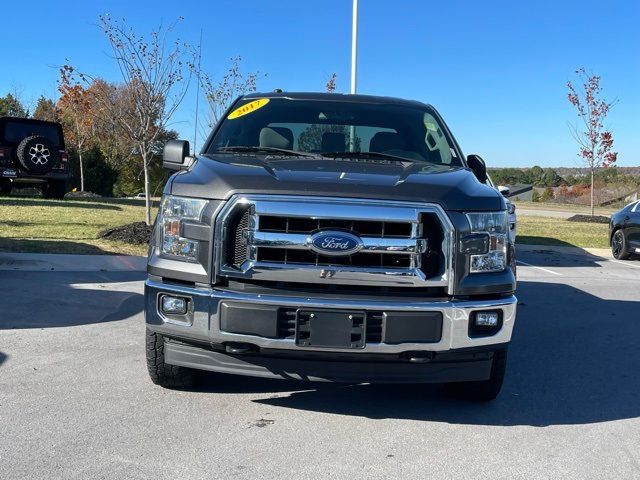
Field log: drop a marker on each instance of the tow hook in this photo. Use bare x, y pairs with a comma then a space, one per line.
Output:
418, 357
239, 348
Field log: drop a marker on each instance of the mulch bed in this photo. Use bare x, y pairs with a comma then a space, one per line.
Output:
137, 233
82, 195
589, 219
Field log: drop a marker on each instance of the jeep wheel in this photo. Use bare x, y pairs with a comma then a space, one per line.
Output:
485, 390
37, 154
161, 373
54, 189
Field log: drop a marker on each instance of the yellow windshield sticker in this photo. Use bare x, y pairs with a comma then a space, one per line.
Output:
430, 126
248, 108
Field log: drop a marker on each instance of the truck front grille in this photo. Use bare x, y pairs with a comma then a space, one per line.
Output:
236, 247
267, 238
271, 223
302, 257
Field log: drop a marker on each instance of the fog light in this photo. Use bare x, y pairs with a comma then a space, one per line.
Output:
173, 305
485, 323
487, 319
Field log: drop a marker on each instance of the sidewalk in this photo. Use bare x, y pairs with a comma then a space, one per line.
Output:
38, 262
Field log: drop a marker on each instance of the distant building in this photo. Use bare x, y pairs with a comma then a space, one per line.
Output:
521, 192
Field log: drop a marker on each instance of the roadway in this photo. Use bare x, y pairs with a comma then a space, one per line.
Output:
76, 402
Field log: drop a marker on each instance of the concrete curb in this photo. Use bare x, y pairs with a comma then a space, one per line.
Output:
38, 262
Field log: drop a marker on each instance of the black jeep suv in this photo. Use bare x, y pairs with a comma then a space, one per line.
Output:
32, 152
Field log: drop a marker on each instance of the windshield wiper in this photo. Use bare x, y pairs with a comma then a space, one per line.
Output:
369, 155
280, 151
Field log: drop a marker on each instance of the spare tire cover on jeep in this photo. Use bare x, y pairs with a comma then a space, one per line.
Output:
37, 154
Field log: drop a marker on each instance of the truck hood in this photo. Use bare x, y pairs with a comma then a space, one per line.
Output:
221, 176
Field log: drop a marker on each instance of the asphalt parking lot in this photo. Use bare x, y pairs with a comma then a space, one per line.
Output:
76, 402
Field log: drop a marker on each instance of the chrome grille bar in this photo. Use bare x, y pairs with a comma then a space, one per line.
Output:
316, 207
299, 241
399, 235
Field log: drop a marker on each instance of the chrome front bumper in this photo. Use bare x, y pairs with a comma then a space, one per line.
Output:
202, 322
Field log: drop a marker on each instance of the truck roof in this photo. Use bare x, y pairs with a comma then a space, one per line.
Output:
337, 97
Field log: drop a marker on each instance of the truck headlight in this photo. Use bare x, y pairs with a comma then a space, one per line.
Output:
173, 212
495, 226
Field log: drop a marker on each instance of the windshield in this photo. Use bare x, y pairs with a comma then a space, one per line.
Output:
336, 128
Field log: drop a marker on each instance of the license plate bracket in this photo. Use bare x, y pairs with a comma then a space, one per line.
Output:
331, 328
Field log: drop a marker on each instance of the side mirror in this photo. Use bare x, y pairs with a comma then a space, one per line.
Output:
175, 154
478, 167
504, 190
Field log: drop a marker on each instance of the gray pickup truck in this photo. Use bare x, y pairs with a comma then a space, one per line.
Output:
330, 237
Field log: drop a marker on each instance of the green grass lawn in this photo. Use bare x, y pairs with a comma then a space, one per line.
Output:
66, 226
555, 231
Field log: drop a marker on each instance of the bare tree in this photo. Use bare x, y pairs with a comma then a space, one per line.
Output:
331, 83
156, 72
220, 93
595, 141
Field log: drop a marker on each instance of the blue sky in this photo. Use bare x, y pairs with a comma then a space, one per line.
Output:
496, 70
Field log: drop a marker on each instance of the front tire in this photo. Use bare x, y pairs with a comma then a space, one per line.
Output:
619, 248
485, 390
161, 373
54, 190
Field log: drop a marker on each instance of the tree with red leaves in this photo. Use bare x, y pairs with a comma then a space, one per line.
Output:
595, 141
74, 109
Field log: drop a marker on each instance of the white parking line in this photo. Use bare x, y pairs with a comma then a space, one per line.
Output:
539, 268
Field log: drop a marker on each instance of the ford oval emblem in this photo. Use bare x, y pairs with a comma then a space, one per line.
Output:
334, 243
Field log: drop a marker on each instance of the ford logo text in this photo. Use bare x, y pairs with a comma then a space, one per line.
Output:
334, 243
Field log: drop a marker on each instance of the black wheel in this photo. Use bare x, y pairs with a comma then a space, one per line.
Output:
161, 373
55, 189
485, 390
5, 188
37, 154
619, 248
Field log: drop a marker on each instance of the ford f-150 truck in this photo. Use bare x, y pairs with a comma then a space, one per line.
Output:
330, 237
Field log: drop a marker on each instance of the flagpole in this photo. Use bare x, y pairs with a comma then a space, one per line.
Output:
354, 47
354, 69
